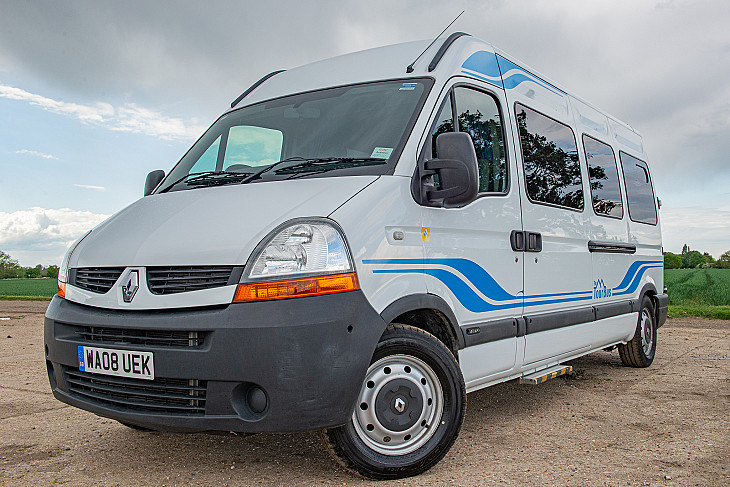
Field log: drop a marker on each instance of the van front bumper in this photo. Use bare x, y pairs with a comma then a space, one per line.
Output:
308, 355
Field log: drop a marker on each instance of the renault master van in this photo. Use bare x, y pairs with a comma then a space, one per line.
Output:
358, 243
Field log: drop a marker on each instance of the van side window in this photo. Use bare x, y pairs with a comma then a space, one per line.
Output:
444, 123
478, 114
550, 159
603, 174
639, 193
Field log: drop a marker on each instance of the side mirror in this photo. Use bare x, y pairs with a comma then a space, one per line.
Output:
153, 179
456, 169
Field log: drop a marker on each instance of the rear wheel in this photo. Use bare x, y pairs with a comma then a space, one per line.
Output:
409, 411
640, 351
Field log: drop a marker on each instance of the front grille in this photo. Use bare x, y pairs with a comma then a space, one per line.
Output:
95, 279
153, 338
160, 396
180, 279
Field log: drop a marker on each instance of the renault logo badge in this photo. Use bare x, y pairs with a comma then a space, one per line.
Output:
129, 289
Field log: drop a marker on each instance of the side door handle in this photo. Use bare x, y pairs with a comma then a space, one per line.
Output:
524, 241
534, 242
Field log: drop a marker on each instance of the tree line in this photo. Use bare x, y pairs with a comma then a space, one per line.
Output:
694, 259
10, 269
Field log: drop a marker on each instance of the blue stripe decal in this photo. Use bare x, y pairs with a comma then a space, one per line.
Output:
486, 285
484, 63
474, 75
517, 79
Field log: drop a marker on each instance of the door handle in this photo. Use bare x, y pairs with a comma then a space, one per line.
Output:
524, 241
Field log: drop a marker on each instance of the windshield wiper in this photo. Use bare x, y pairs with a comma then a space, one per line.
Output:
209, 178
329, 164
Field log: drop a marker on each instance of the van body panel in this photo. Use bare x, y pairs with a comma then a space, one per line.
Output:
209, 226
383, 224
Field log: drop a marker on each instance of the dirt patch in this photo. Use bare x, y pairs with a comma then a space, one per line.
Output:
605, 425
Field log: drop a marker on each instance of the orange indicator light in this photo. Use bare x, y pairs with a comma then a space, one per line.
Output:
296, 288
61, 289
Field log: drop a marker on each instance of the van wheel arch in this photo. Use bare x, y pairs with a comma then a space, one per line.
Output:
650, 291
427, 312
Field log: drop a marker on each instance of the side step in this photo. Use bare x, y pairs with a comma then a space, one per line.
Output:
547, 374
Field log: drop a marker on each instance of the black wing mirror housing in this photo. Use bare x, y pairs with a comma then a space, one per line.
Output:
456, 169
153, 179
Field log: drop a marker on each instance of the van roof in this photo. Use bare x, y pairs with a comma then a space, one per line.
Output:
390, 62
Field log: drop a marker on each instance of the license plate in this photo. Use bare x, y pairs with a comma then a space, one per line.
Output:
123, 363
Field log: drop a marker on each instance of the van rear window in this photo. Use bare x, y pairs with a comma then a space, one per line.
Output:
603, 173
639, 192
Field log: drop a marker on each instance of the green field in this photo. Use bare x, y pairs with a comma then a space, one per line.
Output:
27, 288
700, 292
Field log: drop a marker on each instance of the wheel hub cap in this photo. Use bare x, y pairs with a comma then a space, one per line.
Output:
400, 405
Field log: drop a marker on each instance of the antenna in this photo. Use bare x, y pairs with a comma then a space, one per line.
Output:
409, 69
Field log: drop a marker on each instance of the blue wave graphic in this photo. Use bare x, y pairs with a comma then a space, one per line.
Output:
491, 82
485, 283
516, 79
483, 62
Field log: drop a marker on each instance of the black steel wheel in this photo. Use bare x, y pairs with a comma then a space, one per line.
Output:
640, 351
409, 411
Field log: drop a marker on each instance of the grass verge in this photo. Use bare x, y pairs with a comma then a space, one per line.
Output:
25, 298
717, 312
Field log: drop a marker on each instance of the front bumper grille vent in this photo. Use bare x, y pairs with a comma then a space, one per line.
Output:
180, 279
95, 279
159, 396
152, 338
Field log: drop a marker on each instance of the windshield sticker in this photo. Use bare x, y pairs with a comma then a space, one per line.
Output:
408, 87
382, 152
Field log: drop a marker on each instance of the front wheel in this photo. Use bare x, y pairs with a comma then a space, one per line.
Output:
409, 411
640, 351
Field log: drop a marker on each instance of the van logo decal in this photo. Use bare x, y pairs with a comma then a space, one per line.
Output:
600, 290
426, 234
130, 287
479, 292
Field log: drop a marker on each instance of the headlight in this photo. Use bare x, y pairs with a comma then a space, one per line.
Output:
305, 258
63, 270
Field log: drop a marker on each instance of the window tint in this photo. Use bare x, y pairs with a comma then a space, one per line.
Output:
605, 190
479, 116
639, 194
550, 158
250, 146
207, 161
444, 123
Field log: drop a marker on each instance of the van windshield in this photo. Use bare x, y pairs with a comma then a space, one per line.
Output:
356, 129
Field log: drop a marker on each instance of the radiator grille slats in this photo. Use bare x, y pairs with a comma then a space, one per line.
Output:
161, 396
180, 279
153, 338
96, 279
160, 280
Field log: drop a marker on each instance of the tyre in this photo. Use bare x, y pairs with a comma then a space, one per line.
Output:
640, 351
409, 411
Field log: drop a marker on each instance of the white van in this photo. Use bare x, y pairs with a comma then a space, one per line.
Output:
358, 243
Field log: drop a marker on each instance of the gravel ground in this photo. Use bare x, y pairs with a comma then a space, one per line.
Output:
667, 425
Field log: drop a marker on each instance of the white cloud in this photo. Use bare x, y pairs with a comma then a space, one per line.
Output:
43, 229
127, 118
35, 153
89, 186
703, 229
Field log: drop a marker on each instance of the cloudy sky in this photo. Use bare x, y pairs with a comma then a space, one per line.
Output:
95, 94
